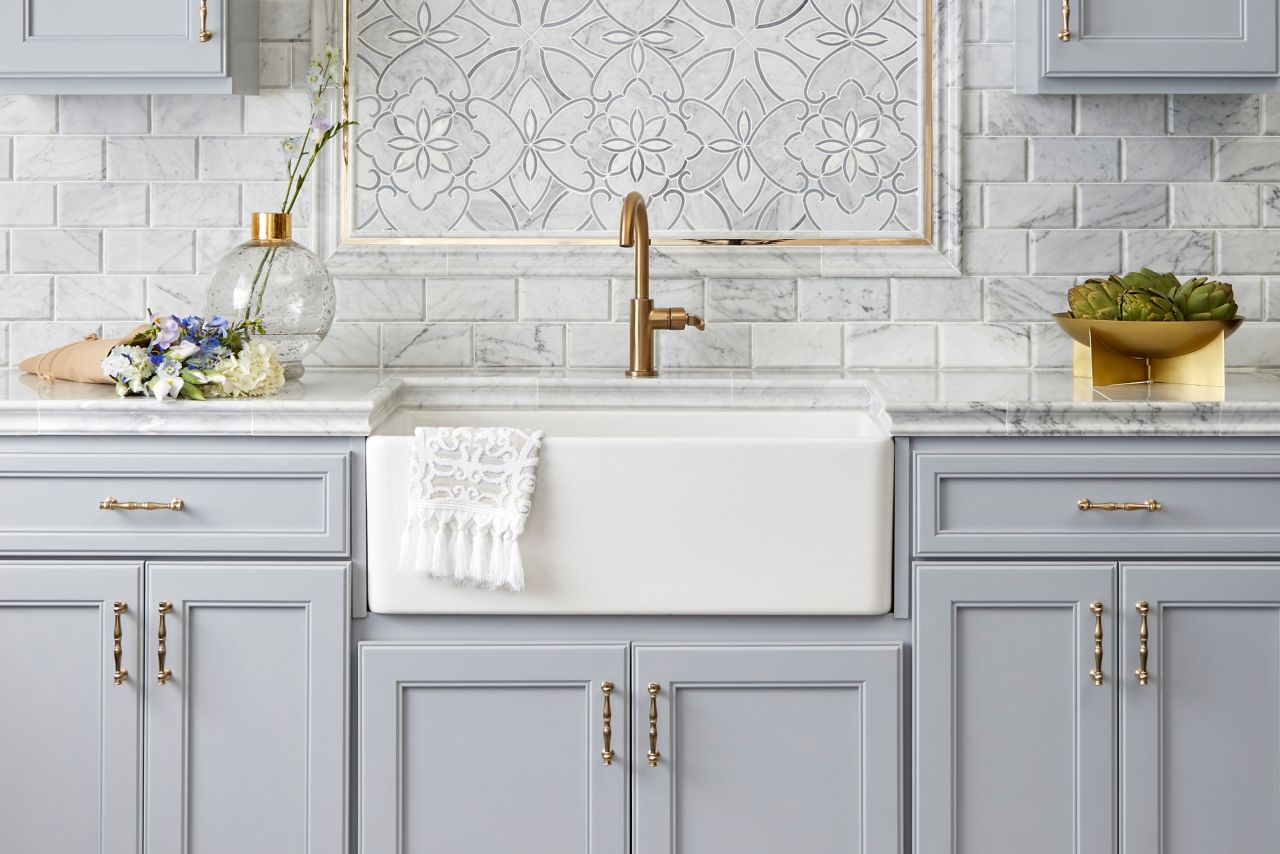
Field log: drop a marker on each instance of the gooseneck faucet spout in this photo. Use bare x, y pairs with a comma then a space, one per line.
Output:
633, 231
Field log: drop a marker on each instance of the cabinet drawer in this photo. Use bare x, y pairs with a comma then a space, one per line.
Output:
232, 502
1028, 503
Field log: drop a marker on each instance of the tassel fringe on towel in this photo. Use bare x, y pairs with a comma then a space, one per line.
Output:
470, 492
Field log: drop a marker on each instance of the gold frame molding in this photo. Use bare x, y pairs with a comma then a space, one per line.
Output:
928, 85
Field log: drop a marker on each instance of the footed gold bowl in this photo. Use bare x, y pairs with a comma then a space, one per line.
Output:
1148, 339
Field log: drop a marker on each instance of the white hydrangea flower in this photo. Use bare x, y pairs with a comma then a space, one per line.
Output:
130, 367
253, 372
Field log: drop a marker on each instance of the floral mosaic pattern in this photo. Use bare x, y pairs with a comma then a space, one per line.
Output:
750, 118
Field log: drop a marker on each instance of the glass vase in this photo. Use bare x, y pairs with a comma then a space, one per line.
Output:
283, 284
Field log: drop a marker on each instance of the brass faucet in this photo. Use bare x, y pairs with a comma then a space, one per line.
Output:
634, 231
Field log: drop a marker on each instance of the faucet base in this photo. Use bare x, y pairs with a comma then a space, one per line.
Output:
642, 373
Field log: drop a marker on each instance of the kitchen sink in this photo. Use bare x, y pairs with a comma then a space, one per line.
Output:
667, 512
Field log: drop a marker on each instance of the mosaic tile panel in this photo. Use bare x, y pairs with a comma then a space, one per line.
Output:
742, 118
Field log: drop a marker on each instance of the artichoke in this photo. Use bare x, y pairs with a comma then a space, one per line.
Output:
1148, 295
1201, 299
1148, 304
1097, 299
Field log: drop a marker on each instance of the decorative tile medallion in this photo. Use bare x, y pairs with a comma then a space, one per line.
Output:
755, 119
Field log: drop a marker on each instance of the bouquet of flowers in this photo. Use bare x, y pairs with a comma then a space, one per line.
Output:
195, 358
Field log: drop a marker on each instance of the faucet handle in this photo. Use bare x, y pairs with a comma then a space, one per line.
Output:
675, 318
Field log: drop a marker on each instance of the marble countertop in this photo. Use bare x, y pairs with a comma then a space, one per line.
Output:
908, 403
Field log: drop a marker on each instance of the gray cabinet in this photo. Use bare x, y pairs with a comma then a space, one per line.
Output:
1148, 45
69, 729
246, 735
763, 749
1015, 736
1201, 739
480, 748
72, 46
244, 738
475, 749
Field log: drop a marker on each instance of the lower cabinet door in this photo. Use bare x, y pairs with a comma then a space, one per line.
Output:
1014, 733
246, 722
492, 749
1201, 739
69, 712
767, 749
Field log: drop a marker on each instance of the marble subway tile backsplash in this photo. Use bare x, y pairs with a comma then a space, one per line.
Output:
110, 205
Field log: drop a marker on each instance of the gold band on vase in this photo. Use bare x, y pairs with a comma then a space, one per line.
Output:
270, 227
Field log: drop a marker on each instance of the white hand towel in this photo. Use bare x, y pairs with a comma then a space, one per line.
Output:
470, 491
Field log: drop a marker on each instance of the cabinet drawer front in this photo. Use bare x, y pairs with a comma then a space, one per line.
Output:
232, 503
1028, 504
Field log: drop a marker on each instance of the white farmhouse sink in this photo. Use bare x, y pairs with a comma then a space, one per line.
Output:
668, 512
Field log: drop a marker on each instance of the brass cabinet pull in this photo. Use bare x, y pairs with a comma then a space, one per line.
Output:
654, 755
114, 504
205, 35
121, 674
607, 753
1143, 635
162, 673
1150, 505
1065, 35
1096, 672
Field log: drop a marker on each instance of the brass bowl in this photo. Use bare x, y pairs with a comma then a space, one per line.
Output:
1148, 339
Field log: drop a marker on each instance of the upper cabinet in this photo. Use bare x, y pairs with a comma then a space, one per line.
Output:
140, 46
1148, 46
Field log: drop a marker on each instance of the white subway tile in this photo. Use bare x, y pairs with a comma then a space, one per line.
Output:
28, 113
844, 299
1249, 252
380, 299
598, 345
1215, 205
6, 157
1076, 253
244, 158
63, 250
149, 250
1122, 115
26, 298
1008, 114
988, 66
1030, 206
1186, 251
1248, 159
1012, 298
213, 244
100, 298
69, 157
275, 64
1214, 115
984, 345
996, 158
751, 299
104, 113
797, 345
285, 20
31, 338
471, 299
994, 251
102, 204
1124, 206
202, 114
689, 294
426, 345
937, 299
564, 299
206, 204
151, 158
891, 345
722, 345
25, 203
519, 345
1162, 159
277, 112
1075, 159
180, 295
349, 345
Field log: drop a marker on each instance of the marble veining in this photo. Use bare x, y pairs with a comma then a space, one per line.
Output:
905, 402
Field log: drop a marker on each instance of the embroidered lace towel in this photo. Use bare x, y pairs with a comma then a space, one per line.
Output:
470, 490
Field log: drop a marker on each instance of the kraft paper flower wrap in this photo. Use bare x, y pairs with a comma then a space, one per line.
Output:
187, 357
